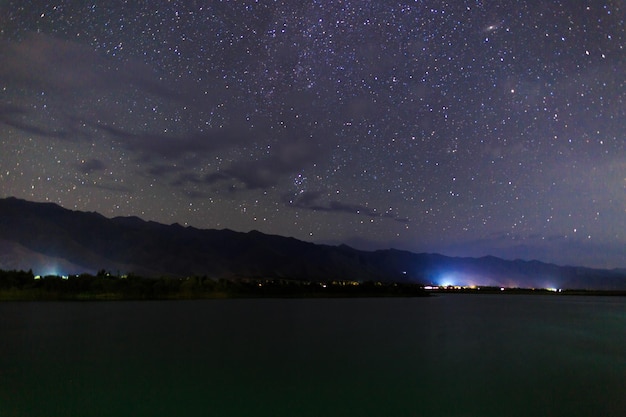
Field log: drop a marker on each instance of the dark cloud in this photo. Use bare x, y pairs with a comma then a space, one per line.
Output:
18, 118
196, 195
172, 147
287, 158
116, 188
184, 178
73, 70
91, 165
310, 200
34, 130
161, 170
7, 110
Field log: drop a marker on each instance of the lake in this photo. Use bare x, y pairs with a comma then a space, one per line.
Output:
447, 355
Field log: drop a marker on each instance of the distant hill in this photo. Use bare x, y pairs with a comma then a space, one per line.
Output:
50, 239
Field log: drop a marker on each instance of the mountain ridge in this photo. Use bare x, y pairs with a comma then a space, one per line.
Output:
49, 233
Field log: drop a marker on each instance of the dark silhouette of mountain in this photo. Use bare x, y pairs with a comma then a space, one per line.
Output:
43, 233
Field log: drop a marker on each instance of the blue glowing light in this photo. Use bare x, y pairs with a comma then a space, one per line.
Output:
447, 279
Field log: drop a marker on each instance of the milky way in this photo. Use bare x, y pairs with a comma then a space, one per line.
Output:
466, 127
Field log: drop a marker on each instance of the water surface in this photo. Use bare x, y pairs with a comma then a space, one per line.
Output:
450, 355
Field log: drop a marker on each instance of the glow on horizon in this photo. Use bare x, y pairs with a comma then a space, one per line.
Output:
50, 270
448, 279
452, 279
461, 279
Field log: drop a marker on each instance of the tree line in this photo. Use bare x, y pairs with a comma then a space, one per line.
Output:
24, 285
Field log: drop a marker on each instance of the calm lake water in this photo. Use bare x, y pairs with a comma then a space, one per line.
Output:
450, 355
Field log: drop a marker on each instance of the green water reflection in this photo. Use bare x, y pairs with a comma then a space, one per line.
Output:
455, 355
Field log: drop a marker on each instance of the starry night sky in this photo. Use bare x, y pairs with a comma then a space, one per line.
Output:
463, 127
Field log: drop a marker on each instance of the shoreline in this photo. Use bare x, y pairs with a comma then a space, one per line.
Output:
24, 286
43, 296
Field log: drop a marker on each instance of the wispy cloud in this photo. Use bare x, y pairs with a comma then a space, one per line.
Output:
74, 71
310, 200
286, 158
91, 165
71, 67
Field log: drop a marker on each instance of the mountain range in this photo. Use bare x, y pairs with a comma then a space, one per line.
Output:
50, 239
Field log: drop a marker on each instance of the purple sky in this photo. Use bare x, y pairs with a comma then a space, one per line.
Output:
467, 128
